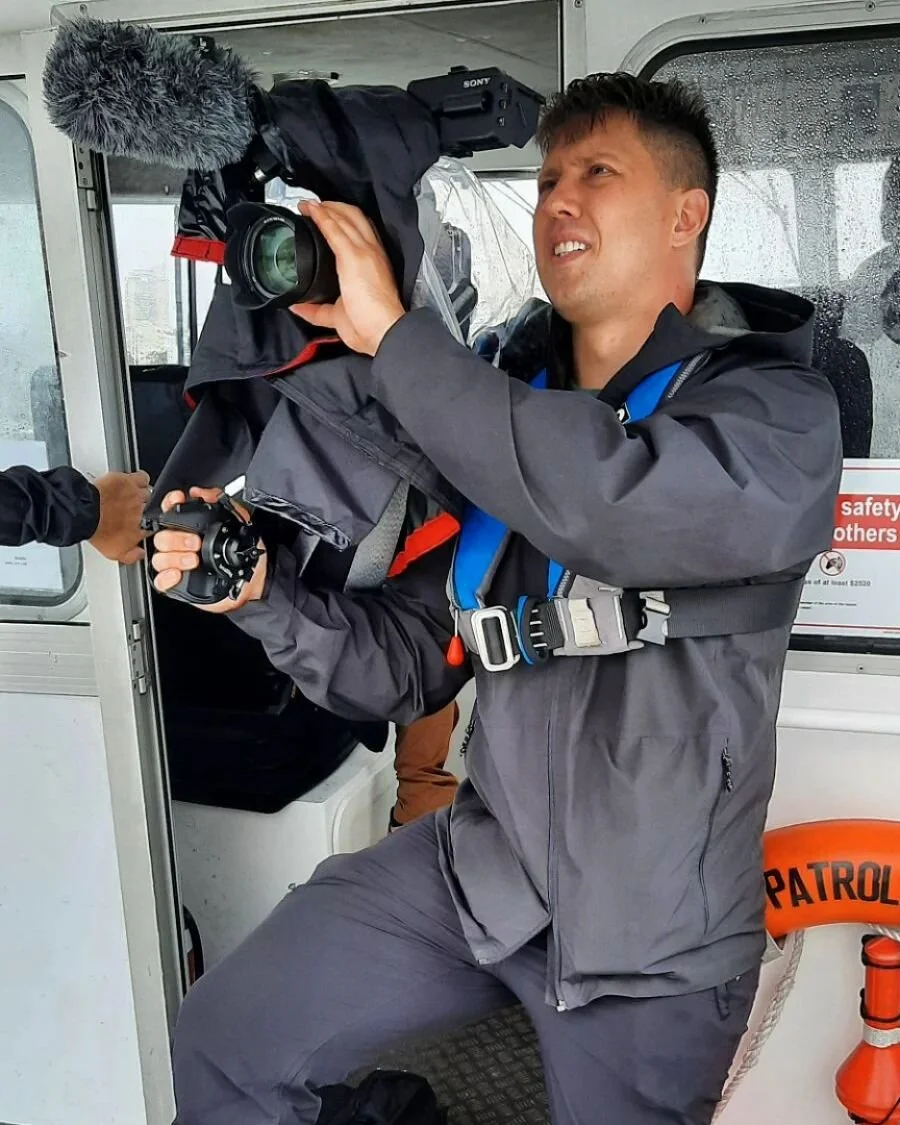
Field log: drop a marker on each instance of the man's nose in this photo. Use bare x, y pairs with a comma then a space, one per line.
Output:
562, 202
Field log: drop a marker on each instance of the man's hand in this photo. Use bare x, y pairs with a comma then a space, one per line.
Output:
123, 497
369, 303
179, 551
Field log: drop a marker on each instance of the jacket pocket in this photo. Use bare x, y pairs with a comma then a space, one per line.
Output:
731, 865
633, 822
734, 998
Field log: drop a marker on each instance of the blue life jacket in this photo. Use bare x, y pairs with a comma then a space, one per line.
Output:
482, 537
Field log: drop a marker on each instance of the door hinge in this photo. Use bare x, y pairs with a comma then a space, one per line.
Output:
139, 663
84, 176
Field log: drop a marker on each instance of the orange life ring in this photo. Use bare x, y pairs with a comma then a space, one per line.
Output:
832, 871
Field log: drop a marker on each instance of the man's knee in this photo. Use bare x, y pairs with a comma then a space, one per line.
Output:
198, 1018
361, 932
223, 1019
231, 1050
250, 1011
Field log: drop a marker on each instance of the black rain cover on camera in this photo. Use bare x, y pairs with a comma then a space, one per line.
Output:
313, 444
206, 198
365, 145
369, 146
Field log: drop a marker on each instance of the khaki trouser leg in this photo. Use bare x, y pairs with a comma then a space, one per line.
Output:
423, 785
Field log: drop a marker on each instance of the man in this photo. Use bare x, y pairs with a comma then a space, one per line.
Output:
863, 318
602, 862
61, 507
871, 321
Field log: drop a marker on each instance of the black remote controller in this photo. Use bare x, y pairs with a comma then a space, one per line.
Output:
228, 552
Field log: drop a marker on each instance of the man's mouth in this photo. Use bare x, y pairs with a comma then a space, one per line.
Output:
567, 249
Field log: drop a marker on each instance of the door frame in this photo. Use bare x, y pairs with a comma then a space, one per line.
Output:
93, 375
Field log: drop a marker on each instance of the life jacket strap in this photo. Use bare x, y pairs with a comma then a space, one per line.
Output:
596, 619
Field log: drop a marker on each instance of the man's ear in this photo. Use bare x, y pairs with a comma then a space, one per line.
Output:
691, 218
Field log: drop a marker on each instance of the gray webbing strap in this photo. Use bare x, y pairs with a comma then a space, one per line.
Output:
376, 552
724, 610
600, 620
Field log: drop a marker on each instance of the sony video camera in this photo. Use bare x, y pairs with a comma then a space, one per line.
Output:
182, 101
276, 257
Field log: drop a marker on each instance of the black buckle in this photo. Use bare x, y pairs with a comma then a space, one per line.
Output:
655, 611
539, 630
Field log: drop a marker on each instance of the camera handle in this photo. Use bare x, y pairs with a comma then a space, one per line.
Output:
228, 550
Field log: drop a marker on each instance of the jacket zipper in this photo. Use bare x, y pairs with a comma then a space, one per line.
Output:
553, 945
726, 785
727, 771
692, 366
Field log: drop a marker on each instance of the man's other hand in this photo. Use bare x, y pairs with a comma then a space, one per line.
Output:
179, 551
123, 497
369, 303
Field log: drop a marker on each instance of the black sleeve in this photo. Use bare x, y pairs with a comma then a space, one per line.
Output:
59, 507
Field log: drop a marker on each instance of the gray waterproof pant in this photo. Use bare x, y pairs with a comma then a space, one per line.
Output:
370, 952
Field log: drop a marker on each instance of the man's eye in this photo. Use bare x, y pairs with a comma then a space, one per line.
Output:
599, 170
545, 186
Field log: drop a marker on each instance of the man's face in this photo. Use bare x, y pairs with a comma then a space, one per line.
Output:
605, 221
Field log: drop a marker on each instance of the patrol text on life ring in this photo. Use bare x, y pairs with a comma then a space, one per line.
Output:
832, 871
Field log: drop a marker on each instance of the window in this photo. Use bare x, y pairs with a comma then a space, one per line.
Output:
516, 199
32, 421
857, 208
762, 248
810, 201
154, 286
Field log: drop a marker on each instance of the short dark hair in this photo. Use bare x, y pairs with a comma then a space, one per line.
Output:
671, 115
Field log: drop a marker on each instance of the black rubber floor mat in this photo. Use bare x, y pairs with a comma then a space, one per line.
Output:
487, 1074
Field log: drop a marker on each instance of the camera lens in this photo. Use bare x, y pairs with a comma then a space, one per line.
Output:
277, 258
274, 257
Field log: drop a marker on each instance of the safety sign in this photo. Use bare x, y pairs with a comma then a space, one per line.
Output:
852, 589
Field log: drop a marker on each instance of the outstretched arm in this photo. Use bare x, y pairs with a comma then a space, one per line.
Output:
373, 655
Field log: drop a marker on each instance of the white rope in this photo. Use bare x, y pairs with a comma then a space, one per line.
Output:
885, 931
769, 1021
773, 1013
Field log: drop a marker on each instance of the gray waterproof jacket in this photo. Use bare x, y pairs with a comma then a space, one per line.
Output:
616, 802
